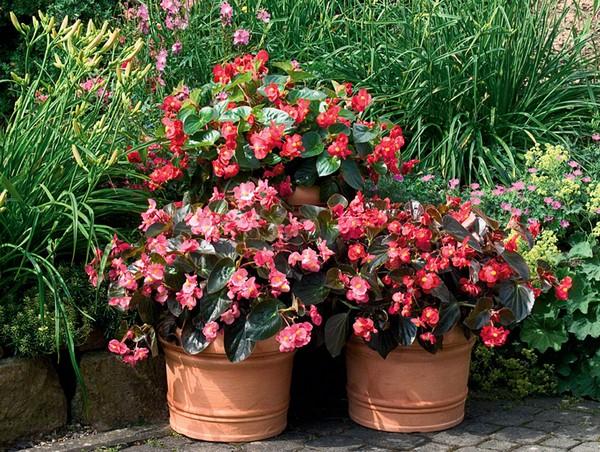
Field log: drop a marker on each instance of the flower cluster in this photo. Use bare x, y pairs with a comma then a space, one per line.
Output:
207, 268
411, 272
251, 122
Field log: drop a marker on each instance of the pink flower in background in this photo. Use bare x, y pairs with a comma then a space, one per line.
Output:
519, 185
532, 170
161, 60
263, 15
556, 205
170, 6
453, 183
118, 347
505, 206
573, 164
596, 137
564, 223
499, 190
586, 179
475, 186
176, 48
531, 187
241, 37
475, 201
548, 200
226, 13
229, 316
428, 178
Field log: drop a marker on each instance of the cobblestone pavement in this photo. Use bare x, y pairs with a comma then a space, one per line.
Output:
531, 425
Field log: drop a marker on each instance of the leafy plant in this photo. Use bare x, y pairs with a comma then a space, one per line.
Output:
568, 333
252, 122
59, 159
224, 267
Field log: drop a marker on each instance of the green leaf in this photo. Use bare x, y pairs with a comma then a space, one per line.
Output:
312, 144
305, 93
516, 297
306, 175
584, 325
236, 114
351, 174
311, 288
210, 307
205, 139
327, 164
592, 269
543, 333
336, 333
195, 122
480, 315
580, 296
277, 116
264, 320
238, 346
582, 250
246, 159
220, 275
332, 279
192, 339
362, 133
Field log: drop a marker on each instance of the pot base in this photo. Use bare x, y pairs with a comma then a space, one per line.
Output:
227, 430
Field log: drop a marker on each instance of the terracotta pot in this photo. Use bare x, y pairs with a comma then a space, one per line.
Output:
305, 196
411, 390
213, 399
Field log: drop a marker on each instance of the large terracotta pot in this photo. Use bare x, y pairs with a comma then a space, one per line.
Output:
213, 399
305, 196
411, 390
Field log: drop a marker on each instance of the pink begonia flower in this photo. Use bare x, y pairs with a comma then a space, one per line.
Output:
244, 194
161, 60
137, 355
453, 183
358, 290
309, 260
210, 331
363, 327
188, 246
263, 15
264, 258
162, 294
428, 178
294, 336
189, 293
120, 302
153, 215
176, 48
158, 244
226, 13
278, 282
596, 137
127, 281
229, 316
325, 252
241, 37
153, 273
315, 317
118, 347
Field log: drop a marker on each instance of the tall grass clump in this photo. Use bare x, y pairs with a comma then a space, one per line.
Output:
60, 159
476, 82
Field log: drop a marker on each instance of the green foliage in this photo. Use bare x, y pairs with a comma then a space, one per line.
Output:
568, 332
59, 162
27, 331
513, 372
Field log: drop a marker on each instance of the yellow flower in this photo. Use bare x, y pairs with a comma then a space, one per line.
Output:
545, 249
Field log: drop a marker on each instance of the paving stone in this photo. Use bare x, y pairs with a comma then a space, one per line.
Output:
282, 443
496, 444
583, 431
208, 447
335, 443
544, 426
458, 438
375, 438
560, 441
434, 447
535, 448
520, 435
587, 447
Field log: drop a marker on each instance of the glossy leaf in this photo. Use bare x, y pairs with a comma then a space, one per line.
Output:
220, 275
517, 263
311, 289
362, 133
459, 232
336, 333
327, 164
407, 331
351, 174
312, 144
264, 320
449, 316
192, 339
238, 346
516, 297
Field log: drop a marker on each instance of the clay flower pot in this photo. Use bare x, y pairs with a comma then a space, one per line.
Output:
411, 390
212, 399
305, 196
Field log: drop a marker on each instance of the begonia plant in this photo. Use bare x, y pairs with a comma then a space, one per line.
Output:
410, 272
221, 267
254, 122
